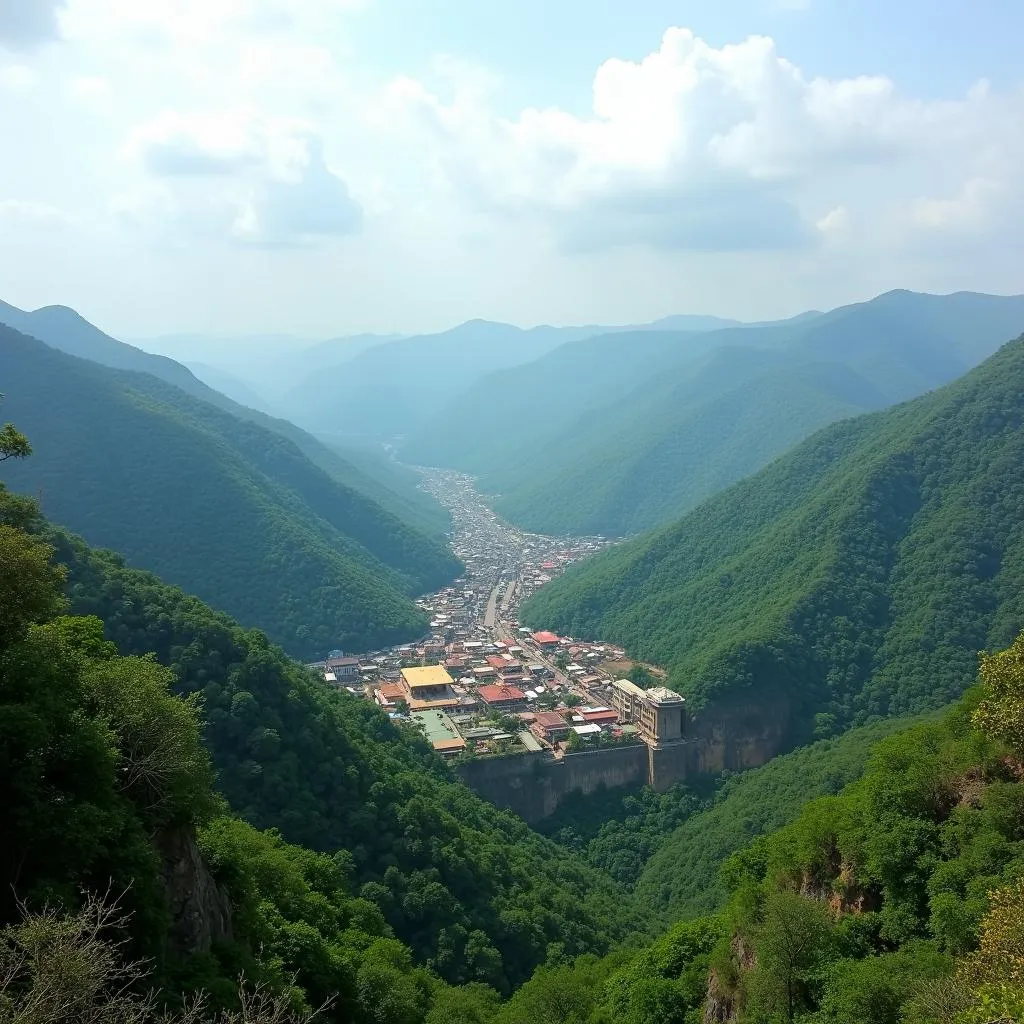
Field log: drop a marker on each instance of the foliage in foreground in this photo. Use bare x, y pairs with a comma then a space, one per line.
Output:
472, 891
106, 787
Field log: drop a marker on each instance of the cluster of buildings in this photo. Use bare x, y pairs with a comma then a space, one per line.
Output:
482, 683
489, 695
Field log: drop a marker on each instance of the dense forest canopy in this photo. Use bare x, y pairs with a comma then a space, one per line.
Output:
897, 900
228, 509
121, 867
473, 891
855, 577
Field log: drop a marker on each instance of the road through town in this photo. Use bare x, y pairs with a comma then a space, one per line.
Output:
502, 561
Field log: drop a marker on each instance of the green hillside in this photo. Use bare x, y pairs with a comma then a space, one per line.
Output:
456, 878
390, 483
510, 414
659, 454
622, 433
856, 576
107, 795
898, 900
221, 506
63, 328
681, 877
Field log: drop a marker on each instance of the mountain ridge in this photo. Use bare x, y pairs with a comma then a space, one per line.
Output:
623, 453
855, 576
87, 341
231, 511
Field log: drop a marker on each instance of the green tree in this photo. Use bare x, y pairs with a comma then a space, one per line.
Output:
790, 941
994, 975
468, 1004
1001, 713
13, 444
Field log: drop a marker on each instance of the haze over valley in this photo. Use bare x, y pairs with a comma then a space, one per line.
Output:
511, 515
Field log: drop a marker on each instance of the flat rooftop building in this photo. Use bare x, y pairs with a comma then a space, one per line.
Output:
429, 687
658, 713
426, 677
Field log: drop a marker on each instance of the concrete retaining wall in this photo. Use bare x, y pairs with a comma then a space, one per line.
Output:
533, 785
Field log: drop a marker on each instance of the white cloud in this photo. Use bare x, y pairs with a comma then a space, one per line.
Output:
971, 209
299, 209
93, 92
248, 140
18, 79
699, 147
836, 220
27, 213
206, 142
236, 175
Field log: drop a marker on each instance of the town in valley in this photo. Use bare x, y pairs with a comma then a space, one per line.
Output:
482, 684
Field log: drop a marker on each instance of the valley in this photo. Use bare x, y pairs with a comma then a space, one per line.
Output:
511, 514
500, 700
531, 764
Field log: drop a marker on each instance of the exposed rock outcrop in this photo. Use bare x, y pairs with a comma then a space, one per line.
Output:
200, 908
723, 999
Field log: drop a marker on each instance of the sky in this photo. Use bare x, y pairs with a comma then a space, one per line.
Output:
324, 167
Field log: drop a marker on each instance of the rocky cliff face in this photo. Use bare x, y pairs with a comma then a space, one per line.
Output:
735, 736
722, 1004
200, 908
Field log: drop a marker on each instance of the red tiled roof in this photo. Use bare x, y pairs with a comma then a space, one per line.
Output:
545, 637
600, 716
496, 692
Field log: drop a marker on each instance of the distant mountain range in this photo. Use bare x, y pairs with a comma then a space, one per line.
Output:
64, 329
856, 576
619, 433
267, 365
373, 386
224, 505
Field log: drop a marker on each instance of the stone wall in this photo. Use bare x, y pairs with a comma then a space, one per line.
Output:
736, 736
533, 785
668, 765
733, 738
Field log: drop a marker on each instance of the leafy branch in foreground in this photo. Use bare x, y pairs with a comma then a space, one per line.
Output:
13, 444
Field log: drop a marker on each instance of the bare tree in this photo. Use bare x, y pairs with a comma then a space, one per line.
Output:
60, 968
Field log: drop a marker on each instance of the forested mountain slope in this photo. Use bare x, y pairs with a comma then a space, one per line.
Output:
621, 433
62, 328
390, 483
665, 449
898, 901
108, 797
856, 576
231, 511
512, 413
681, 878
471, 889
